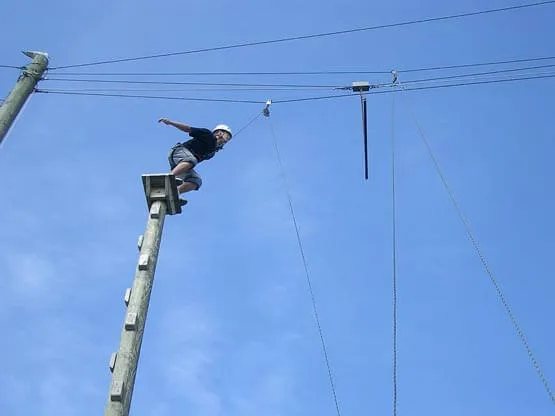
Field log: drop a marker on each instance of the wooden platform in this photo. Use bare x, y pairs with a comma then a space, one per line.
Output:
162, 187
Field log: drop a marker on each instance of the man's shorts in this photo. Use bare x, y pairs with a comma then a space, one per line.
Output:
179, 154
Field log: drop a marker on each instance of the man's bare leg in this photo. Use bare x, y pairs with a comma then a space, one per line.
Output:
186, 187
182, 168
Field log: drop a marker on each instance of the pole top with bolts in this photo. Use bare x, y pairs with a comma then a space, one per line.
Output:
162, 187
34, 54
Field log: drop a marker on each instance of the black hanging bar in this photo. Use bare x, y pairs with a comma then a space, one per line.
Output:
365, 128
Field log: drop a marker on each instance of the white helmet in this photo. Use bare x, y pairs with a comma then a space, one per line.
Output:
223, 127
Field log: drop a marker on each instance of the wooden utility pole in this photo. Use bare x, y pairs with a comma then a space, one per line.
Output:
162, 199
25, 85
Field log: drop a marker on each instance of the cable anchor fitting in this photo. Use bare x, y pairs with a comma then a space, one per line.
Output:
395, 80
266, 110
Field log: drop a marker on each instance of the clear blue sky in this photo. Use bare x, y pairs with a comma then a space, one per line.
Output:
230, 329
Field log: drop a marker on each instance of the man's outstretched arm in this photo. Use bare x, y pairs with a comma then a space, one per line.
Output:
180, 126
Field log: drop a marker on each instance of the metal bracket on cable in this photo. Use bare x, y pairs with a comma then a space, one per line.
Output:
266, 110
360, 86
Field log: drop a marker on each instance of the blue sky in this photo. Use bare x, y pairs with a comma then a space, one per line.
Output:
230, 329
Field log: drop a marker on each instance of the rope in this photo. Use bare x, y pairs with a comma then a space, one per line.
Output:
147, 97
483, 260
265, 86
394, 249
376, 91
323, 72
12, 67
212, 84
248, 124
307, 273
429, 87
479, 74
313, 36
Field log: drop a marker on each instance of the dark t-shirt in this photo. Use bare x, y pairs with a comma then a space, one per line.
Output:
203, 143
